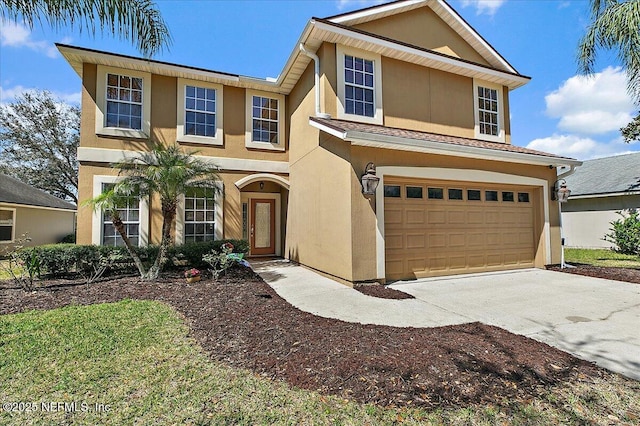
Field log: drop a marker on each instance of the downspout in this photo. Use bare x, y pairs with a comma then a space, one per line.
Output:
316, 60
572, 169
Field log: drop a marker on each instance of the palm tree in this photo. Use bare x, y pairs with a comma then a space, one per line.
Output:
168, 172
615, 25
136, 20
108, 202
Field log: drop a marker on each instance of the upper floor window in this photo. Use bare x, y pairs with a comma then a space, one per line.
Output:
200, 112
489, 122
265, 120
488, 111
123, 102
6, 225
359, 85
264, 115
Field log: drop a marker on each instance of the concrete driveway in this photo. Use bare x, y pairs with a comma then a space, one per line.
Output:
594, 319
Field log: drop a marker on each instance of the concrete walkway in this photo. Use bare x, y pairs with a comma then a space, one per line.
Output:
594, 319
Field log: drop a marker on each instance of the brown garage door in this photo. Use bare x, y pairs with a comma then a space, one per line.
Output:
443, 228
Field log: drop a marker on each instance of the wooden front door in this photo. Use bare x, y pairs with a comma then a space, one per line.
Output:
263, 227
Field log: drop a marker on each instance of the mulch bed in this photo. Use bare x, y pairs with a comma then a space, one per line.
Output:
382, 292
241, 321
628, 275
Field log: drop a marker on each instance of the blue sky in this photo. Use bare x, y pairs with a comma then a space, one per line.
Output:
557, 111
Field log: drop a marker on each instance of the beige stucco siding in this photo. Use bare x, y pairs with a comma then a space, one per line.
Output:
586, 221
422, 27
163, 126
41, 225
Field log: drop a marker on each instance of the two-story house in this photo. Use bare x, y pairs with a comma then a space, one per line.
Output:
408, 86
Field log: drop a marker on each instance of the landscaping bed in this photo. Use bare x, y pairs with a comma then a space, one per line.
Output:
242, 322
628, 275
382, 292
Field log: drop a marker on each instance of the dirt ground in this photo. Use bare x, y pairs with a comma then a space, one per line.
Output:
618, 274
242, 322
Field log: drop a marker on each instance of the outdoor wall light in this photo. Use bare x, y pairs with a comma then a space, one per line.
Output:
560, 192
370, 180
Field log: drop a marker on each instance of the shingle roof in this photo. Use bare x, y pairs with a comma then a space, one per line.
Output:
620, 173
16, 192
373, 129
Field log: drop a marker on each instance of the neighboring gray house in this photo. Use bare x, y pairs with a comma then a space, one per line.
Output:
27, 210
599, 189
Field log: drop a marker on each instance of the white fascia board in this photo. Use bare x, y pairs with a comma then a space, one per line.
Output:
372, 12
295, 53
517, 80
31, 206
475, 35
333, 132
101, 155
443, 148
610, 194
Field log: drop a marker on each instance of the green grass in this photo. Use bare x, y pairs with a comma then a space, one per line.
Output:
601, 257
137, 358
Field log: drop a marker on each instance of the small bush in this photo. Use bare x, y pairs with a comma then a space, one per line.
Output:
625, 233
68, 239
190, 254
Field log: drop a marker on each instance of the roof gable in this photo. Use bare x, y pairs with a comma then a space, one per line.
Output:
13, 191
429, 24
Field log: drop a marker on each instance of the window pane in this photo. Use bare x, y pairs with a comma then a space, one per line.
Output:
455, 194
435, 193
5, 233
491, 195
392, 191
473, 195
523, 197
507, 196
414, 191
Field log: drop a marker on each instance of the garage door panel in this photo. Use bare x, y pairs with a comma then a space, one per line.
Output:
435, 237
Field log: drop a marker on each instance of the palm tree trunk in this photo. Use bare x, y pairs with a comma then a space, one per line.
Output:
168, 216
117, 223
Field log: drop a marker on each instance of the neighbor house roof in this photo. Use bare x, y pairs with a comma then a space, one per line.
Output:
411, 140
619, 174
13, 191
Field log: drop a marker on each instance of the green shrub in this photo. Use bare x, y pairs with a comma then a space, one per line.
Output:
625, 233
68, 239
65, 259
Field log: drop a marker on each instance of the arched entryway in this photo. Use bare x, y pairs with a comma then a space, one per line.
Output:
265, 198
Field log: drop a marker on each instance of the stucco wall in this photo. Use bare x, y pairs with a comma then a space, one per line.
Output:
586, 221
422, 27
43, 226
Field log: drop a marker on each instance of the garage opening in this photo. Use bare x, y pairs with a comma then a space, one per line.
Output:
435, 228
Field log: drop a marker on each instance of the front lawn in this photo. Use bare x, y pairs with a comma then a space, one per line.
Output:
601, 257
245, 356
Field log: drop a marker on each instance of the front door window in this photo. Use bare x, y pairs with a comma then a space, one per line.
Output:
263, 227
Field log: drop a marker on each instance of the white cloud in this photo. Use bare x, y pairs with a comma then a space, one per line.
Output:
592, 105
582, 148
17, 35
489, 7
9, 94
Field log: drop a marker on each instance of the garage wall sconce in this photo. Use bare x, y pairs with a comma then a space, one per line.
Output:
369, 180
560, 191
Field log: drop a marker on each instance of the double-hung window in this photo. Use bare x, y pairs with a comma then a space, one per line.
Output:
359, 85
265, 120
488, 114
7, 225
124, 101
199, 214
129, 211
200, 112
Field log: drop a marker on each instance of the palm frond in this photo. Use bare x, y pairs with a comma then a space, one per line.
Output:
136, 20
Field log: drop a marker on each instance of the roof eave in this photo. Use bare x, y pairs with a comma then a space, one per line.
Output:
442, 148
